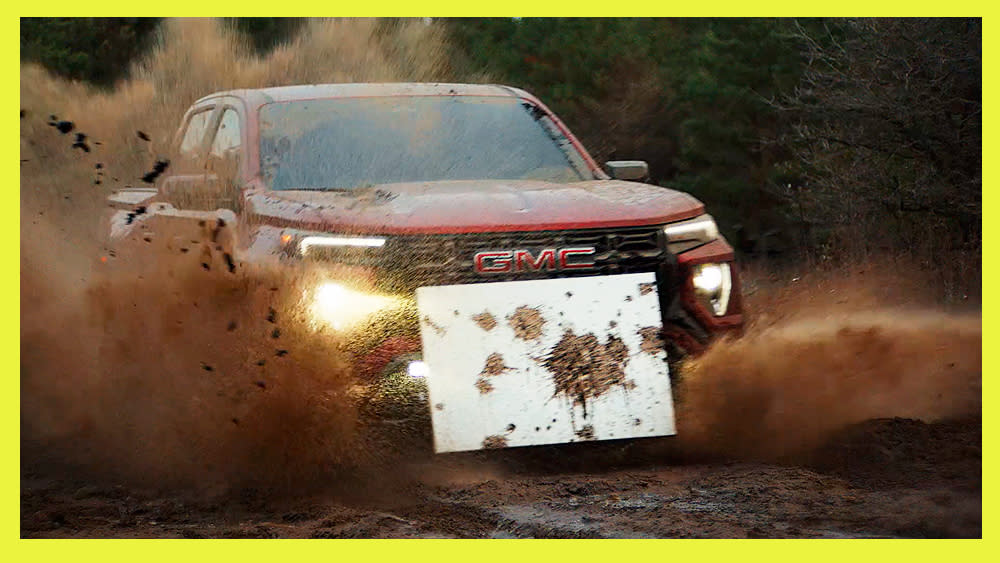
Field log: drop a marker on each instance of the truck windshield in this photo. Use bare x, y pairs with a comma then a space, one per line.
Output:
342, 144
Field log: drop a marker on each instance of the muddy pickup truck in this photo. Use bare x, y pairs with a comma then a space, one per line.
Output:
550, 292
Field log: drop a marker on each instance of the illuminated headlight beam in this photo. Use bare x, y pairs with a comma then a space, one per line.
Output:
713, 282
340, 307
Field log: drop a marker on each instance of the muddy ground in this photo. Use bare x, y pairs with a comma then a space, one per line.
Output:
882, 478
197, 417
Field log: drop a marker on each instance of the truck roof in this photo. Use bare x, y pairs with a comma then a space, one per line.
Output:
260, 96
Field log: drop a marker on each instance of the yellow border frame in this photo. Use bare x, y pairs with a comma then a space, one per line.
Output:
498, 550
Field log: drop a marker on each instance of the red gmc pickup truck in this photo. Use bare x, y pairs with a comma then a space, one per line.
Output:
413, 185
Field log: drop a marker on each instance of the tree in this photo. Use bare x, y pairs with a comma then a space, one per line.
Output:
97, 50
888, 132
267, 33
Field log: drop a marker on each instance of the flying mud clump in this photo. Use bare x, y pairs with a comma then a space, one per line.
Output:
584, 368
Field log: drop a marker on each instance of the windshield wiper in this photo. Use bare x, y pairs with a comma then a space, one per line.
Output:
330, 189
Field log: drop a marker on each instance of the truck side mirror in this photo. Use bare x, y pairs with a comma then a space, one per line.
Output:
216, 187
130, 197
628, 169
198, 191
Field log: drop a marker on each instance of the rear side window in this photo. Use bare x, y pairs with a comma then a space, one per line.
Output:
228, 136
195, 132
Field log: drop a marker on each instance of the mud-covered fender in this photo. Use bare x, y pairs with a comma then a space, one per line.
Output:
211, 236
142, 217
264, 244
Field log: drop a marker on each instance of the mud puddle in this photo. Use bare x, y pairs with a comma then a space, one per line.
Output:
935, 492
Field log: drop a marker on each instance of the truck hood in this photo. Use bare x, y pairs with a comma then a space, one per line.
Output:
474, 206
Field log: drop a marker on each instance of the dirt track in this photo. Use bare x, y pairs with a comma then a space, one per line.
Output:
884, 478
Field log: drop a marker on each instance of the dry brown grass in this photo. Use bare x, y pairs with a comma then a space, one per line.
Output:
193, 58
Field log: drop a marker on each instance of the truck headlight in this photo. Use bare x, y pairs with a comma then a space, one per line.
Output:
341, 307
713, 284
685, 235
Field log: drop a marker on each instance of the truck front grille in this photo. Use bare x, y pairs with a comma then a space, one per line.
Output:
414, 261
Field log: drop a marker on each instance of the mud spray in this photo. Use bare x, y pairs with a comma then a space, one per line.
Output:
164, 368
825, 352
162, 372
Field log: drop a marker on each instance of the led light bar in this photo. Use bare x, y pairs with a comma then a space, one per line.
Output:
310, 241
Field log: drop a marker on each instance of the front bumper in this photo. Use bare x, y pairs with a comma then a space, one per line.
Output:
406, 263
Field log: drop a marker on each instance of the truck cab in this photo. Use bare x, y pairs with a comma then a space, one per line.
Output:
455, 183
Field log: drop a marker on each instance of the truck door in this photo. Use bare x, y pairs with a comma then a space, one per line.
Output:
211, 160
204, 185
186, 179
225, 161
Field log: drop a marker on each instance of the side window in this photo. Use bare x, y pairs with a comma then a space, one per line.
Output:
227, 137
195, 132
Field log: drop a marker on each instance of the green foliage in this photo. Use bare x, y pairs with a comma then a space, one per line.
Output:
267, 33
96, 50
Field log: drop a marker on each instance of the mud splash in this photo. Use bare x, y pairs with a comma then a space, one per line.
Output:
485, 320
494, 442
494, 366
527, 323
652, 339
170, 374
583, 368
786, 388
179, 366
184, 376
